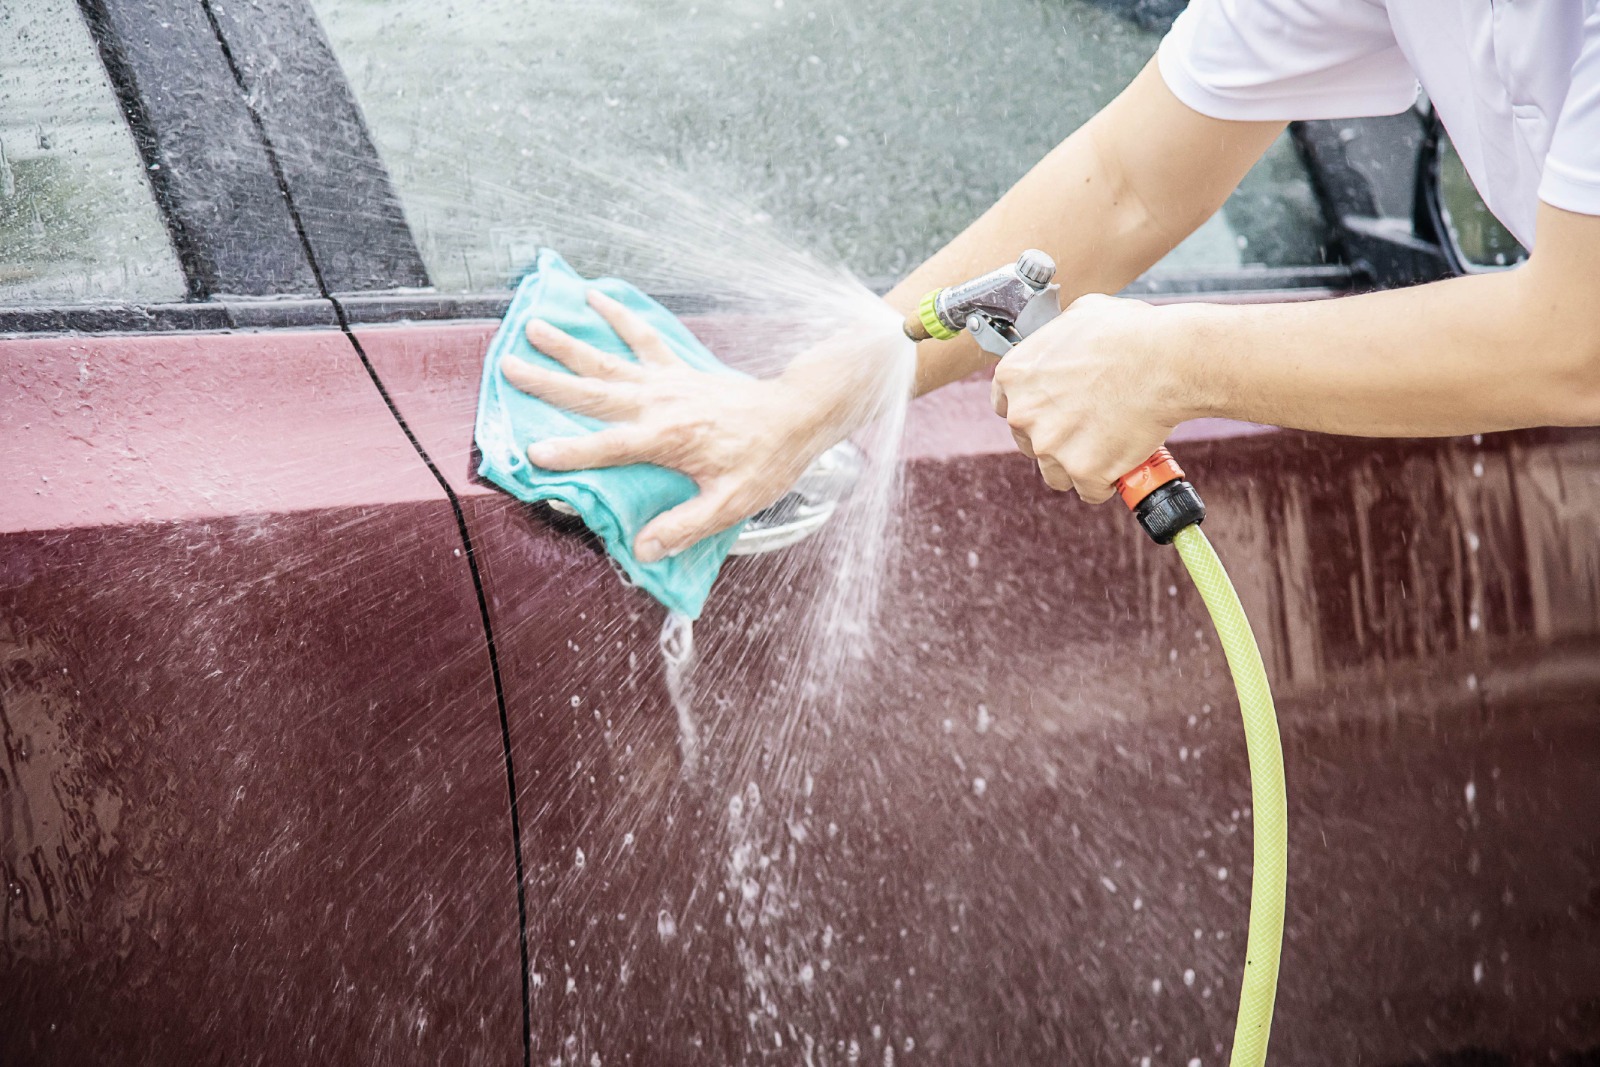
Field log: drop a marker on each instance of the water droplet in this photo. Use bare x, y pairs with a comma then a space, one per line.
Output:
666, 925
1477, 973
578, 859
985, 720
1111, 887
1472, 793
1188, 976
1222, 874
979, 786
807, 974
1155, 987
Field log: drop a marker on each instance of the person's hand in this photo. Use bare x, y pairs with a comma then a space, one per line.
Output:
744, 441
1091, 394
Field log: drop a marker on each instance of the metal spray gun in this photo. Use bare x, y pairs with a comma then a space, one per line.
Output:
1004, 306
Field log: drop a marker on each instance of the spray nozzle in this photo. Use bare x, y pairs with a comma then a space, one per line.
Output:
1002, 307
999, 308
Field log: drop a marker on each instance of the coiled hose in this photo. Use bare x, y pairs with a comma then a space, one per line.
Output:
1268, 797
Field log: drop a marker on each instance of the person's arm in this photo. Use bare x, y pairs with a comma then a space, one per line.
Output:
1107, 203
1098, 389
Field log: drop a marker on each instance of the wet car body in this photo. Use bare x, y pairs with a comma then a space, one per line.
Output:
319, 749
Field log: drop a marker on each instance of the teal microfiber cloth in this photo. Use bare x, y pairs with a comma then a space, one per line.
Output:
614, 502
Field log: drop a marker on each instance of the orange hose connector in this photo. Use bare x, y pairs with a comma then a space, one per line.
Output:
1147, 477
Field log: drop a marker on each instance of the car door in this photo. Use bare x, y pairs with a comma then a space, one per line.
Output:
1003, 816
253, 798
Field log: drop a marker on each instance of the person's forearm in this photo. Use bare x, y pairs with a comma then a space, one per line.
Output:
1106, 204
1468, 355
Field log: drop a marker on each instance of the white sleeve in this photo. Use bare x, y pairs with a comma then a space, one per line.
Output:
1286, 59
1571, 178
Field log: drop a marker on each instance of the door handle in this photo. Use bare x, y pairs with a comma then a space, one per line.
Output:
800, 512
804, 509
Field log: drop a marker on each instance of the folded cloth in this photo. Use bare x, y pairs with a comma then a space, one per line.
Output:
615, 502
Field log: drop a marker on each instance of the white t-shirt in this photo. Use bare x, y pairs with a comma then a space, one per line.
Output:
1516, 82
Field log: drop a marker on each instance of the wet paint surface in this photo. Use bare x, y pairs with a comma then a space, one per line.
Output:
252, 798
994, 839
254, 807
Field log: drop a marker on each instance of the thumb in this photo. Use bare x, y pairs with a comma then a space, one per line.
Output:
692, 521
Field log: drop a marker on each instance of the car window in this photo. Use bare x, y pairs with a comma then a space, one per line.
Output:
78, 220
1481, 240
871, 132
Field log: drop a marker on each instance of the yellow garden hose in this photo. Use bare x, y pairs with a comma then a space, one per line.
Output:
1268, 797
999, 310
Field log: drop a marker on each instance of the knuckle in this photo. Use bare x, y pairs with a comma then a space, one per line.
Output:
676, 438
1094, 494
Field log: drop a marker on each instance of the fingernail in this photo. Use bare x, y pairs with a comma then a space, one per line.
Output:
650, 550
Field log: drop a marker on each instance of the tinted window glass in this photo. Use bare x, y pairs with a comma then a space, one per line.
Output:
78, 222
872, 132
1481, 239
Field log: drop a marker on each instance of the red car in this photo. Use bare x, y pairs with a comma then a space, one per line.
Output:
319, 750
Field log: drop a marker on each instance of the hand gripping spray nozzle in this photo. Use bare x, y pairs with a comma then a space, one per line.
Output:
1009, 303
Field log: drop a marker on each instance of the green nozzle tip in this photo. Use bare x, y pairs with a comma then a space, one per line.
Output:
929, 316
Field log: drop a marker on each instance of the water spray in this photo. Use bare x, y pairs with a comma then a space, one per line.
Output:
1001, 308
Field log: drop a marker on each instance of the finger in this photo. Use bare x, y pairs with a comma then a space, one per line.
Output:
1093, 490
586, 396
603, 448
1055, 475
576, 356
1023, 444
1090, 479
997, 397
645, 341
690, 522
